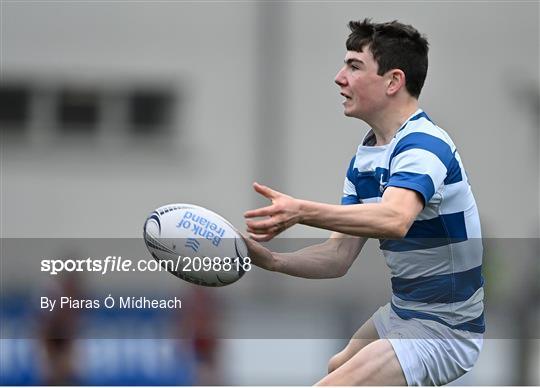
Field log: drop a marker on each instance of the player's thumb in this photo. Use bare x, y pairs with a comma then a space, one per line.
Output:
265, 191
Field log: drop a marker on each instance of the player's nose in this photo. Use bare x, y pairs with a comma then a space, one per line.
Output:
340, 78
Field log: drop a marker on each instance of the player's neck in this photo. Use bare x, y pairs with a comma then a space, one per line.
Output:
388, 122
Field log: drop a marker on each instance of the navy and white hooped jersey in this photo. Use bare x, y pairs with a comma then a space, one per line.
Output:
436, 268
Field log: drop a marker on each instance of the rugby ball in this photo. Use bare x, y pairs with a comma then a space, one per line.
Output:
196, 244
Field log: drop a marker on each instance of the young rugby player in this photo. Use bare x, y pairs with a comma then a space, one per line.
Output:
406, 186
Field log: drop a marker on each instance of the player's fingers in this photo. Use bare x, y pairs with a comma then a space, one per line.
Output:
261, 237
258, 230
266, 191
249, 230
266, 235
265, 225
261, 212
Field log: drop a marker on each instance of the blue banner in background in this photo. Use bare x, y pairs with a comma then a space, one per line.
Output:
104, 361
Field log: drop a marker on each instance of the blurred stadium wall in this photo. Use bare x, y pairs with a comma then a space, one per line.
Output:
112, 109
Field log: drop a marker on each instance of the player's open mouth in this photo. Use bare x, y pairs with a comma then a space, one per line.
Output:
346, 97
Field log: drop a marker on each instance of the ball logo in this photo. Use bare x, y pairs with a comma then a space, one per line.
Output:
193, 244
202, 227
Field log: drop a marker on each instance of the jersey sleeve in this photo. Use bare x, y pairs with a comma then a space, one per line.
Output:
422, 162
350, 196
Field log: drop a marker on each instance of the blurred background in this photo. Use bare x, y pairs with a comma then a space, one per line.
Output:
111, 109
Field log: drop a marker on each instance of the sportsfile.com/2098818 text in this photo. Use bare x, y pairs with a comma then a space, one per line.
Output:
111, 264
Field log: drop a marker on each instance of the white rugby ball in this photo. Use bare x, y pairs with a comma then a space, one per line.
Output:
196, 245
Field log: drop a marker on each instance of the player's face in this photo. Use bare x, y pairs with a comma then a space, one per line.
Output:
360, 85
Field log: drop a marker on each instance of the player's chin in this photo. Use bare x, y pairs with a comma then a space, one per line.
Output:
348, 112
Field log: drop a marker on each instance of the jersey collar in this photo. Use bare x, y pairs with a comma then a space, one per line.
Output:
415, 116
369, 140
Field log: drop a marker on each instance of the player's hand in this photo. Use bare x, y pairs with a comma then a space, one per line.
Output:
259, 255
283, 213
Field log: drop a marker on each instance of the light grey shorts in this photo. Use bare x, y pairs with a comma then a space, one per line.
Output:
429, 352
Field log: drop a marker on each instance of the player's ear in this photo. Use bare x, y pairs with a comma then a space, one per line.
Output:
395, 81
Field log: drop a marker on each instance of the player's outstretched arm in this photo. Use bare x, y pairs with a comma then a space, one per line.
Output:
329, 259
390, 218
